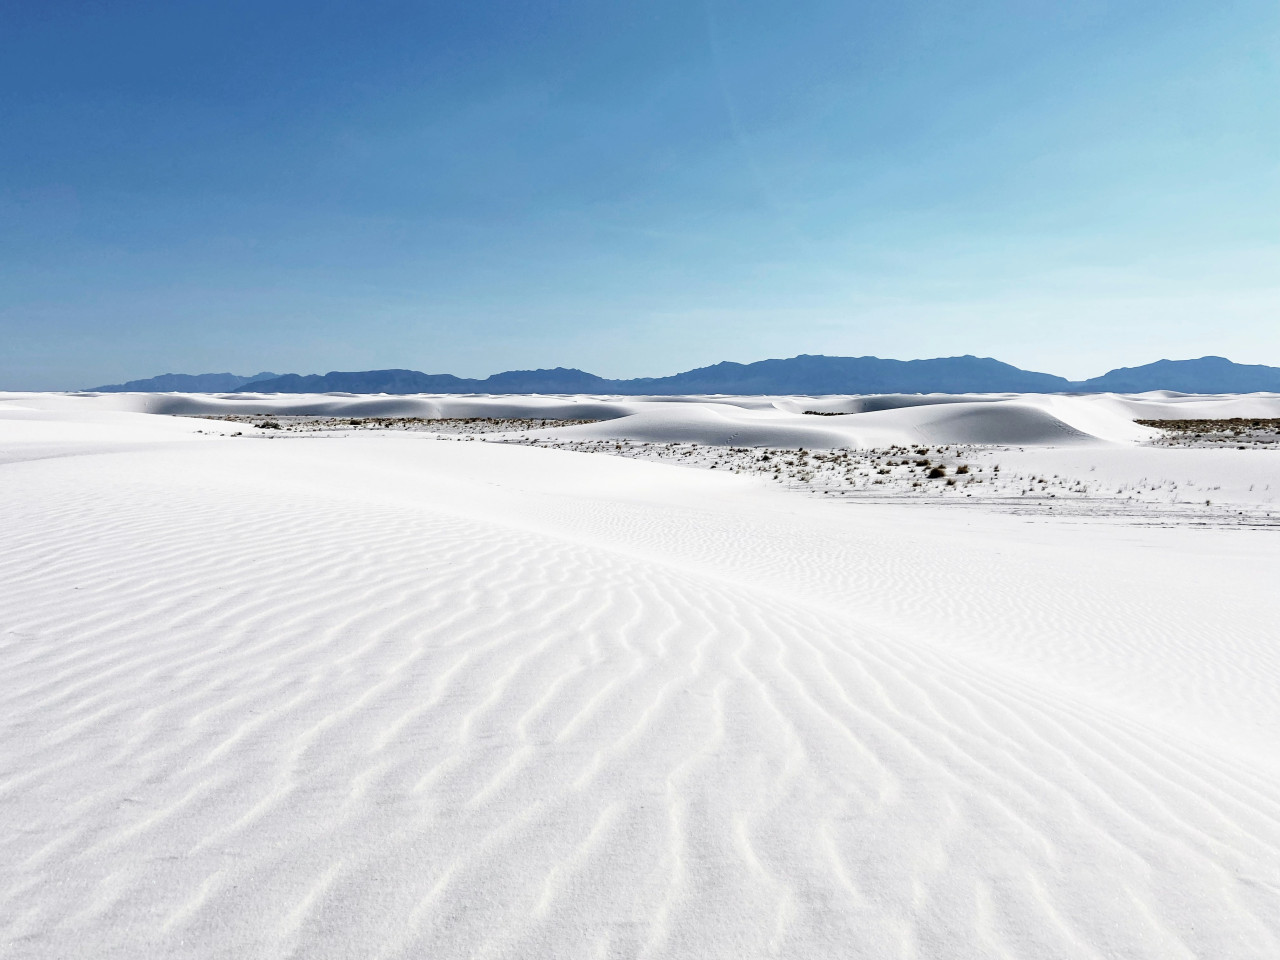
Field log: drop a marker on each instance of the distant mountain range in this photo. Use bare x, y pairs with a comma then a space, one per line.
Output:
186, 383
798, 375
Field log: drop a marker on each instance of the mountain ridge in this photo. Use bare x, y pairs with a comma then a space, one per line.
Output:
812, 374
185, 383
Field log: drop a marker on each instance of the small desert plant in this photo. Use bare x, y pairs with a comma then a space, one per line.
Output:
963, 468
267, 425
937, 472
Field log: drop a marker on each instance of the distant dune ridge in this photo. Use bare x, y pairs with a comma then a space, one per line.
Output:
804, 374
882, 420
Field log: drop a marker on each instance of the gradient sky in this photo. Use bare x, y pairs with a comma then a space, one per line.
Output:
633, 189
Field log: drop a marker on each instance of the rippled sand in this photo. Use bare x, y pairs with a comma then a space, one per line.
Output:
391, 696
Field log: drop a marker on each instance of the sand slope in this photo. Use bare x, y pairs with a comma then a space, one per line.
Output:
389, 696
746, 421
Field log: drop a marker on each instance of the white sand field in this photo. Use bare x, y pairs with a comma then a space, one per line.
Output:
377, 693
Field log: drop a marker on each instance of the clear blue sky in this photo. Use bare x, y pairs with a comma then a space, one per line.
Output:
633, 188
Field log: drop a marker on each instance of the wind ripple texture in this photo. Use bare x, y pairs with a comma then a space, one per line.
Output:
382, 699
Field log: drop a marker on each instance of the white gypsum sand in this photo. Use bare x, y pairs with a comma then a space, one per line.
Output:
378, 694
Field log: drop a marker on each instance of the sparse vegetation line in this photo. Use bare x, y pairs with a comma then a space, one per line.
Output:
448, 425
1241, 431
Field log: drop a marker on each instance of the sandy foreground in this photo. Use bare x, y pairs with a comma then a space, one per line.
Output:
381, 694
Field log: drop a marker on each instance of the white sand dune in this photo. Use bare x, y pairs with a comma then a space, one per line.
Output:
986, 422
750, 421
393, 696
353, 405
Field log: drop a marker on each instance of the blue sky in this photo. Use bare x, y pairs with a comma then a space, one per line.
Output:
633, 189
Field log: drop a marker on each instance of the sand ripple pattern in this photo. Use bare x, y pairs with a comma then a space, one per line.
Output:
255, 719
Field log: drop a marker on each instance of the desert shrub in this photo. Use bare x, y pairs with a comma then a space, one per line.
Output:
937, 472
267, 425
963, 468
